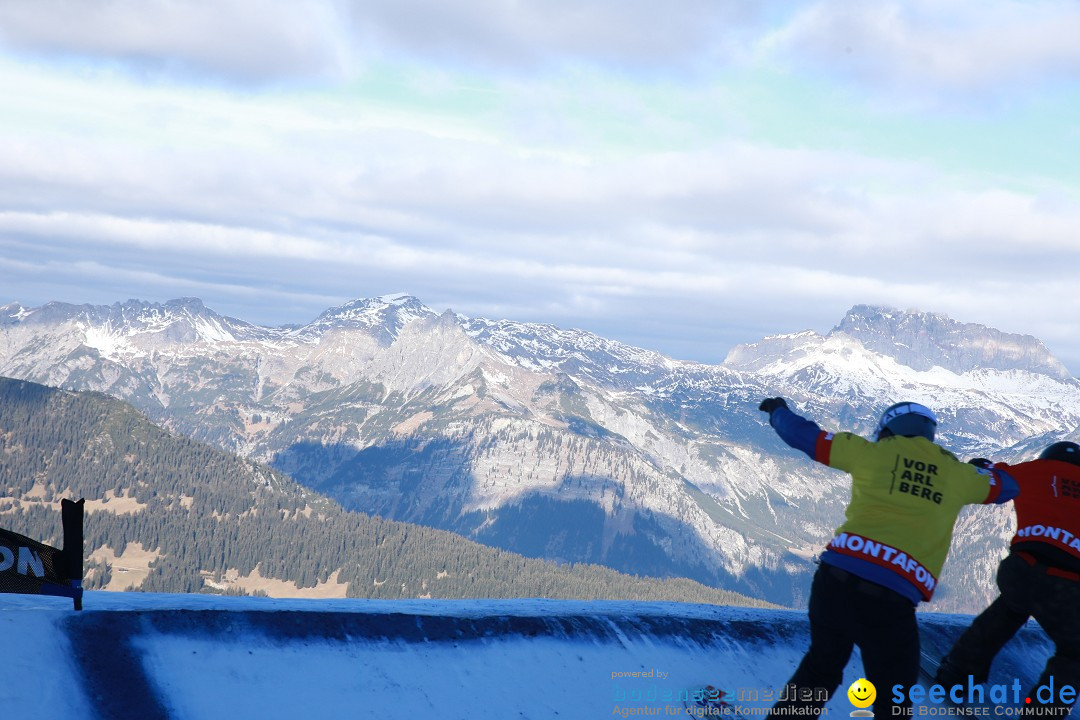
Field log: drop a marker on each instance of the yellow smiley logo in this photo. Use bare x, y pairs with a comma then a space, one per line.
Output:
862, 693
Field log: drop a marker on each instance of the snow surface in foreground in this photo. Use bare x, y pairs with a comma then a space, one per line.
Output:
213, 657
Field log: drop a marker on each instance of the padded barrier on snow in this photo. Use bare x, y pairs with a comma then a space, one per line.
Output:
33, 568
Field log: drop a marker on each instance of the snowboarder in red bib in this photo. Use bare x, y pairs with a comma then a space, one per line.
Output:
1039, 578
885, 558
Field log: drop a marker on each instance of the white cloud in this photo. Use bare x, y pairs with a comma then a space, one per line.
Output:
255, 177
267, 39
720, 227
930, 47
302, 197
530, 32
237, 39
923, 47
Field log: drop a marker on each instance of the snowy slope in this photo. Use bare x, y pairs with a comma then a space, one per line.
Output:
148, 656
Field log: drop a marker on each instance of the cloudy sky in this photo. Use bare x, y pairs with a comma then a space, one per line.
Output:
683, 176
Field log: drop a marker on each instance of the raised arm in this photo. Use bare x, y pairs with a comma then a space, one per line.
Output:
795, 430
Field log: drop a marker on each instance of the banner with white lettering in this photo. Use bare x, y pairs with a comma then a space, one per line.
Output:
30, 567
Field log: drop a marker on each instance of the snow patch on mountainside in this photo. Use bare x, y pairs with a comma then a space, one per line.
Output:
840, 367
14, 312
110, 345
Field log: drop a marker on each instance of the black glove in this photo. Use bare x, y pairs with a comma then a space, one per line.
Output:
770, 404
980, 462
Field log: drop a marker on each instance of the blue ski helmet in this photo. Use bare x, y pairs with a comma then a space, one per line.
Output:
908, 419
1064, 451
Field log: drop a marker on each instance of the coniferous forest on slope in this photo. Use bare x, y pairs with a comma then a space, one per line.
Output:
207, 512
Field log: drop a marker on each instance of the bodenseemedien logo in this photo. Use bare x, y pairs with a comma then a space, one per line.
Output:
862, 694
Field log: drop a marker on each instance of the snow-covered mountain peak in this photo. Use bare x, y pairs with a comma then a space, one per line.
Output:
124, 326
918, 340
383, 316
179, 321
545, 348
13, 312
922, 340
767, 351
137, 316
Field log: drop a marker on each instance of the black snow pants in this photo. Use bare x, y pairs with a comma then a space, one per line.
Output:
1027, 590
846, 611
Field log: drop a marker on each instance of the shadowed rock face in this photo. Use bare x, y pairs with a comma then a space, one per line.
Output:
922, 340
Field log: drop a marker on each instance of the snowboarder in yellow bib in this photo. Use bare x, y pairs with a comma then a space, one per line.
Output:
885, 558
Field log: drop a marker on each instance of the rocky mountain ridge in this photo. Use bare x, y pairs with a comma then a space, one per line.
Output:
560, 443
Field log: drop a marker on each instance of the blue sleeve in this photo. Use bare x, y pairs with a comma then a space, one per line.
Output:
1009, 488
796, 431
